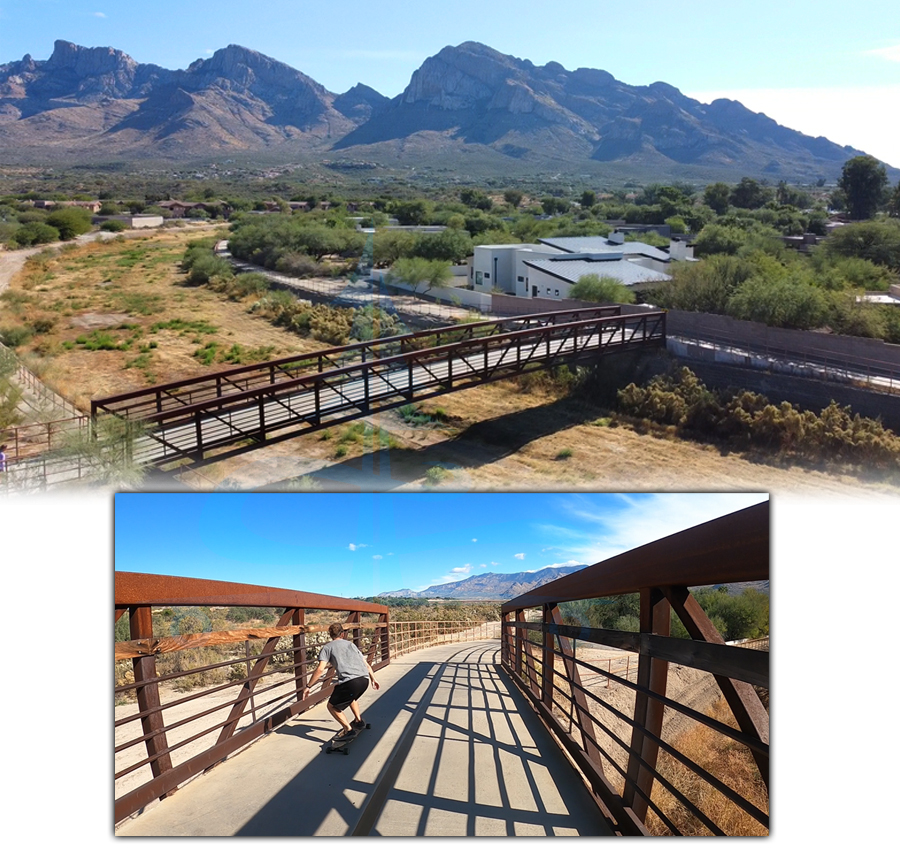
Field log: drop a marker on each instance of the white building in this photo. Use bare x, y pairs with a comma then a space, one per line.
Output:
550, 267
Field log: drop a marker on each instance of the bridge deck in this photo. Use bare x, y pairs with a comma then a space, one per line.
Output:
453, 750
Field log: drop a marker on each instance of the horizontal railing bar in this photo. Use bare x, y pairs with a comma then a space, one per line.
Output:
738, 663
148, 589
172, 643
347, 372
721, 787
627, 748
229, 373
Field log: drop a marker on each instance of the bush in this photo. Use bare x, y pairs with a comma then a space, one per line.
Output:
32, 234
750, 420
601, 289
113, 226
70, 222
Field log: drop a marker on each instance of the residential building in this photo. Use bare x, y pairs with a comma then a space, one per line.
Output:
550, 267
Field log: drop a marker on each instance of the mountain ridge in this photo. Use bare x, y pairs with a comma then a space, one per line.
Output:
466, 103
491, 586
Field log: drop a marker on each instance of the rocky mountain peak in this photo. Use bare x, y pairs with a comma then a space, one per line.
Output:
360, 103
88, 62
241, 66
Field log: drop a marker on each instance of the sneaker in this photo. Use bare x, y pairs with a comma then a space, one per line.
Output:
359, 724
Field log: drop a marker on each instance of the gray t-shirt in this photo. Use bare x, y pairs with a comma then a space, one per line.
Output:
346, 658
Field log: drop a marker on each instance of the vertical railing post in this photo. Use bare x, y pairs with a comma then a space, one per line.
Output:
547, 663
357, 631
141, 623
384, 638
299, 646
648, 713
520, 639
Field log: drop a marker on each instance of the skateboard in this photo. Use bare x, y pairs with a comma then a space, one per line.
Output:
342, 743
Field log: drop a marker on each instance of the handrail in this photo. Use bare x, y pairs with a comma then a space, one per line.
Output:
256, 690
628, 759
328, 354
152, 395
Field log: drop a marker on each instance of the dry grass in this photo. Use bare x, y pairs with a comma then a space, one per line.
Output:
725, 759
113, 316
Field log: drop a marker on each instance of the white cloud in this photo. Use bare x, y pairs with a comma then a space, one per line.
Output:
474, 540
354, 546
98, 14
462, 571
891, 53
482, 565
377, 557
641, 519
495, 564
520, 556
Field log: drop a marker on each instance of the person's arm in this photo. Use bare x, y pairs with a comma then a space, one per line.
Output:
313, 678
372, 676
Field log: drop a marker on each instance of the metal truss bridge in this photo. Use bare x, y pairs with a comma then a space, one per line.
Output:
232, 411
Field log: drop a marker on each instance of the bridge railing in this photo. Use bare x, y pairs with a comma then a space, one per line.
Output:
189, 692
154, 400
409, 636
654, 760
312, 401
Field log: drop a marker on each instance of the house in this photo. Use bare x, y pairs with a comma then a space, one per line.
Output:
550, 267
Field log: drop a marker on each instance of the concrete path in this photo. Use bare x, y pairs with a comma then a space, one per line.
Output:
454, 750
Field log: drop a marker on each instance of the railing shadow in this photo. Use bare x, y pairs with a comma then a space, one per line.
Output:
478, 445
470, 759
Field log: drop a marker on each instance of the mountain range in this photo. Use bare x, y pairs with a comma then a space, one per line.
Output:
491, 586
466, 104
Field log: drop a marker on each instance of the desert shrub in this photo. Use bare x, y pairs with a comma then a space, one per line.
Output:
247, 285
299, 264
32, 234
113, 226
16, 336
373, 322
748, 419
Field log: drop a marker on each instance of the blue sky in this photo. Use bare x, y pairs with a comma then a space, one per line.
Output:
825, 68
355, 544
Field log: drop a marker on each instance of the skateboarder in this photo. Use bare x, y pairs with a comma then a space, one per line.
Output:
353, 675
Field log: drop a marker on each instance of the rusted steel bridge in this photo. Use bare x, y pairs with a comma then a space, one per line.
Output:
228, 411
476, 730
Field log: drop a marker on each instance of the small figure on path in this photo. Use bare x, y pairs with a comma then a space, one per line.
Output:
353, 675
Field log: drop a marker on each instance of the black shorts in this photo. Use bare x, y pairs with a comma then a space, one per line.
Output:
345, 693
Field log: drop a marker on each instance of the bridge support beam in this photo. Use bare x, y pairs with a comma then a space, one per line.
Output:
653, 674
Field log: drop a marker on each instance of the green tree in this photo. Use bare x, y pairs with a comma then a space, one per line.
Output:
864, 181
70, 222
453, 245
749, 193
513, 197
421, 271
413, 213
877, 241
600, 289
894, 203
716, 196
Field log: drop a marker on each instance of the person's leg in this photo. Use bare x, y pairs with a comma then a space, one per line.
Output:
354, 708
340, 718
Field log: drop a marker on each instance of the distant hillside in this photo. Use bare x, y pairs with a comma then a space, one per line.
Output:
467, 108
491, 586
